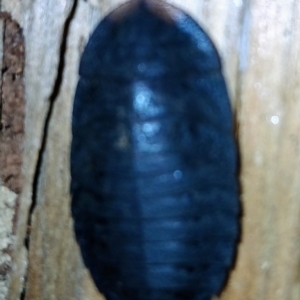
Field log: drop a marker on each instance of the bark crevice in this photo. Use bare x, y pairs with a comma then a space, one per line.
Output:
44, 139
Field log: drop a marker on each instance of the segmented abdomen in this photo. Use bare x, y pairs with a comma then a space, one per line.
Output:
157, 212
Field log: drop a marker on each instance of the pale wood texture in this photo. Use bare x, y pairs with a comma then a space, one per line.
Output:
259, 42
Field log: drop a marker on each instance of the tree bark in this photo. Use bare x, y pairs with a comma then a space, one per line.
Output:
259, 43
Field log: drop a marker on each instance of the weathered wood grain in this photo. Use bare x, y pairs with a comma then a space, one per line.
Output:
268, 110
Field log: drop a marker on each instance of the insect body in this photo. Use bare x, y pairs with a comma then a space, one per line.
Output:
153, 159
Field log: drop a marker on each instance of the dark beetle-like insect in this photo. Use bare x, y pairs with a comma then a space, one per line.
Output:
153, 158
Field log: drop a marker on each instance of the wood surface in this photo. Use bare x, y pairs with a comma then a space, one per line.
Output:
259, 43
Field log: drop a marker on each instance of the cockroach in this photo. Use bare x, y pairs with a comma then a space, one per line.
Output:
153, 158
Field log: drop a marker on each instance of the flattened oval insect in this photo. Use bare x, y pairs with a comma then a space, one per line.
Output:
153, 159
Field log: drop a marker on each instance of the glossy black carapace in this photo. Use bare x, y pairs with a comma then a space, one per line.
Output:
153, 158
